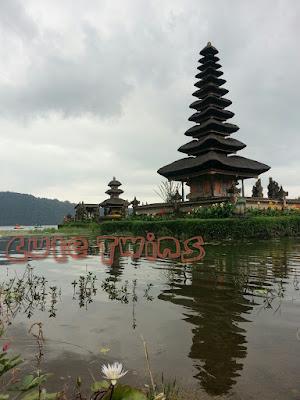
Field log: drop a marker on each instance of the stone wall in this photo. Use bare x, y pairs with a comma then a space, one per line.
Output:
182, 207
186, 206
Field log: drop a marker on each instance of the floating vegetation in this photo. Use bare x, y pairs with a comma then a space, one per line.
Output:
109, 285
86, 289
27, 293
32, 292
146, 292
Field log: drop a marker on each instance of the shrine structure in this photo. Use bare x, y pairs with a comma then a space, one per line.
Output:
114, 205
212, 168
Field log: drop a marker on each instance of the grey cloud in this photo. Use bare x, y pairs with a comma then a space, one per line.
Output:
141, 71
91, 84
15, 20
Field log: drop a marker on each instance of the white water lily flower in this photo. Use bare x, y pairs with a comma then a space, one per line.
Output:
113, 372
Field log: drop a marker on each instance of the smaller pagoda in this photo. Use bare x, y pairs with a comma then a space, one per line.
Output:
114, 205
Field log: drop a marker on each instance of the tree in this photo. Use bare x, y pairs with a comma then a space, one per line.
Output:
167, 190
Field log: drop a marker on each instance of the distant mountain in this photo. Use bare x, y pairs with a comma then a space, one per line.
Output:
25, 209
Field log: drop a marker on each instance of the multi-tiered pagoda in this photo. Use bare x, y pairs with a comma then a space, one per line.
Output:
114, 205
211, 168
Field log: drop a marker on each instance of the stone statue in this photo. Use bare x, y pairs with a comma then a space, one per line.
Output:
96, 214
233, 192
125, 209
176, 199
282, 194
273, 189
81, 212
135, 203
257, 190
276, 192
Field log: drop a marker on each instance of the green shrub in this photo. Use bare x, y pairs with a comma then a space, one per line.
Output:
235, 228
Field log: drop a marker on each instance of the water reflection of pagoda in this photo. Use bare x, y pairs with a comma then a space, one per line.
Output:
211, 167
215, 311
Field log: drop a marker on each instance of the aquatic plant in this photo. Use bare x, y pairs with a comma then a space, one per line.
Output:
27, 293
113, 372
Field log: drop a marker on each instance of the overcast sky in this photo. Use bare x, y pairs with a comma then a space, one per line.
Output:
95, 89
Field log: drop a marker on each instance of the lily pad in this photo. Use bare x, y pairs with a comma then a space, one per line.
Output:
128, 393
99, 385
35, 396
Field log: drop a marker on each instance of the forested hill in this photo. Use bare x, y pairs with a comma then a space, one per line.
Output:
25, 209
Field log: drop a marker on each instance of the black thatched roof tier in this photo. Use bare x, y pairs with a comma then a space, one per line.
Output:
112, 202
211, 125
114, 182
114, 190
210, 100
211, 112
209, 64
209, 50
212, 161
212, 142
210, 89
209, 57
209, 72
210, 79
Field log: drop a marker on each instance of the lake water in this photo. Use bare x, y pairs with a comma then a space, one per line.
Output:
26, 227
226, 324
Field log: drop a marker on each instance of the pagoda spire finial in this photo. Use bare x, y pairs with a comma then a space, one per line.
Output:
208, 43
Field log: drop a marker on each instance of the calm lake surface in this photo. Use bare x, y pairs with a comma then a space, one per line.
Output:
26, 227
226, 324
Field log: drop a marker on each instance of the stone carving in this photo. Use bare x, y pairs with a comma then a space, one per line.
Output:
257, 190
274, 191
239, 207
125, 210
282, 194
96, 214
135, 203
81, 212
233, 192
176, 199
